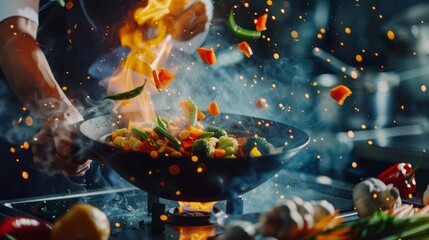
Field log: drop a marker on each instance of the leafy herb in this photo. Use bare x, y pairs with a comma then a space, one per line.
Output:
381, 225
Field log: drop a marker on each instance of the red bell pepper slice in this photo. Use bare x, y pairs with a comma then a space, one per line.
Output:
340, 93
187, 143
245, 48
162, 78
207, 55
261, 22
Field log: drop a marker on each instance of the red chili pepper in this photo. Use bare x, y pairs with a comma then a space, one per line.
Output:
402, 176
24, 228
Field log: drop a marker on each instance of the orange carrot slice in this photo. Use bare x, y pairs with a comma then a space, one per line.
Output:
218, 152
261, 22
207, 55
340, 93
245, 48
195, 132
213, 109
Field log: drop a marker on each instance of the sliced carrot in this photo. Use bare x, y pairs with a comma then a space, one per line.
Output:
207, 55
245, 48
162, 77
195, 132
213, 109
261, 22
218, 152
340, 93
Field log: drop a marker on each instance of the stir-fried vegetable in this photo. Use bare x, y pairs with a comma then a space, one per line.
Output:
207, 55
213, 109
217, 131
186, 136
258, 144
162, 78
128, 94
229, 144
261, 22
245, 48
202, 147
340, 93
240, 31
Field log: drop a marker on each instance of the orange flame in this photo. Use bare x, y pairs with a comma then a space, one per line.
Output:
195, 206
145, 34
197, 233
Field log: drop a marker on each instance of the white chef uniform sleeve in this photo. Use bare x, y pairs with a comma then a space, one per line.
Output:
19, 8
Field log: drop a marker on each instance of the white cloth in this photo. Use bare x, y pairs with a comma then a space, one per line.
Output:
19, 8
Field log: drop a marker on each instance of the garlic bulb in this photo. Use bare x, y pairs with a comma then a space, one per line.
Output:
372, 194
322, 209
283, 221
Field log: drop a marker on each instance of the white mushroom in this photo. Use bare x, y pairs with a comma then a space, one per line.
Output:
322, 209
372, 194
283, 221
306, 210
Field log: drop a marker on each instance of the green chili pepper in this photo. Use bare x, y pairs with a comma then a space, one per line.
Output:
206, 134
193, 113
140, 134
128, 94
162, 122
144, 136
173, 139
242, 32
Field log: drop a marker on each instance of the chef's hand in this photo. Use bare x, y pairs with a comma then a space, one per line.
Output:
186, 24
53, 148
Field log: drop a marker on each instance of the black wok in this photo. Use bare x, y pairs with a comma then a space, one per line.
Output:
220, 179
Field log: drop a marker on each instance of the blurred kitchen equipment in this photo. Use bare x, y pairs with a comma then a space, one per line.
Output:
372, 101
410, 54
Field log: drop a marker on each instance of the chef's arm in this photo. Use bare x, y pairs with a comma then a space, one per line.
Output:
27, 70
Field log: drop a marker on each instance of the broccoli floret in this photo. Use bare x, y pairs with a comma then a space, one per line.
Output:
260, 143
217, 131
202, 147
229, 144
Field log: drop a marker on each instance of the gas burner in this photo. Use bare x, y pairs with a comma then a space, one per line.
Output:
160, 217
196, 218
